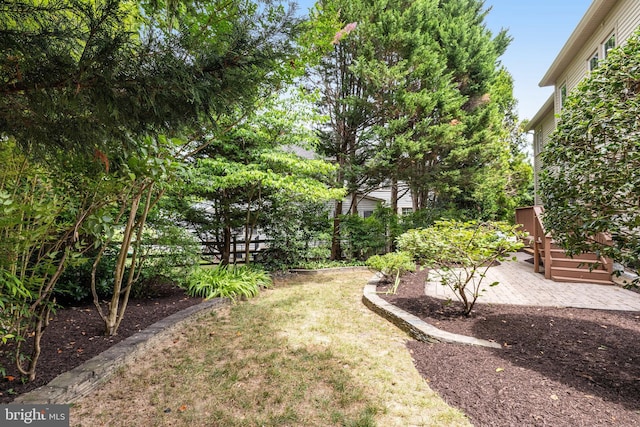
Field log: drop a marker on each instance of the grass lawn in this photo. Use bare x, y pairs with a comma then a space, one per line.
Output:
304, 353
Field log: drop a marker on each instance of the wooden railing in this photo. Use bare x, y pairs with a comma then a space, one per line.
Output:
543, 248
531, 220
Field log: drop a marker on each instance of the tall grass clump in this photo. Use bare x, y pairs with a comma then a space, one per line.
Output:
236, 281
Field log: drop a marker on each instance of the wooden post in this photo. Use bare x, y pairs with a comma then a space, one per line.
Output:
547, 257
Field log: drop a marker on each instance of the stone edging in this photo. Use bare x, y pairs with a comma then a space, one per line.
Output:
411, 324
82, 380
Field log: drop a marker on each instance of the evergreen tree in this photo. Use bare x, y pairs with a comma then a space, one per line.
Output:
408, 91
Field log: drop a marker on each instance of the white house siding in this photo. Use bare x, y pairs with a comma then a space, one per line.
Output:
627, 14
366, 205
622, 19
543, 126
405, 201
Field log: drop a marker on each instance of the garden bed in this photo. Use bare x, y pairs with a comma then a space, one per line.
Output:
75, 335
557, 366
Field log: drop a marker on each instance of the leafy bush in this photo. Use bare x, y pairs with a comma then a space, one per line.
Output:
462, 252
590, 183
74, 285
170, 253
364, 237
393, 264
298, 232
227, 282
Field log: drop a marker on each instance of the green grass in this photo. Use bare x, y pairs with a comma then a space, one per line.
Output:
305, 353
317, 265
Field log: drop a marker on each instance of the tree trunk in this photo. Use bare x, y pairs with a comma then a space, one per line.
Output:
225, 254
354, 203
336, 248
394, 196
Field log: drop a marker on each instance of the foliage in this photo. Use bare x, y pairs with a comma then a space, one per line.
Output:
322, 264
245, 177
74, 285
462, 252
298, 233
40, 213
590, 183
227, 281
415, 95
393, 264
86, 90
364, 237
103, 71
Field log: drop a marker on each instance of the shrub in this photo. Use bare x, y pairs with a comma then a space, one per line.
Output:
74, 285
462, 252
590, 183
227, 282
393, 264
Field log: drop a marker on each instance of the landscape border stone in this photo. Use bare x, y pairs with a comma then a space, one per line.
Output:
72, 385
414, 326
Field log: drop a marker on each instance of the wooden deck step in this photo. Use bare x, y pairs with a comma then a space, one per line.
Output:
579, 263
570, 274
577, 280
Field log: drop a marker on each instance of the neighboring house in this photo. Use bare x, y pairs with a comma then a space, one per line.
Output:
605, 25
367, 203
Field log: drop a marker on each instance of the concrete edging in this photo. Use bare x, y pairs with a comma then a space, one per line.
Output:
82, 380
413, 325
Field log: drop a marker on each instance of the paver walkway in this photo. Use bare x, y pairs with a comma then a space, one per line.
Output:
520, 285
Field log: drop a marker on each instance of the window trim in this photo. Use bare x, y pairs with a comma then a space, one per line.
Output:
592, 62
610, 37
562, 94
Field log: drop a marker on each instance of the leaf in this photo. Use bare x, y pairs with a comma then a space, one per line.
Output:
499, 369
182, 408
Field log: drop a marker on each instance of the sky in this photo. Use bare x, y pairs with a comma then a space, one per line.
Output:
539, 29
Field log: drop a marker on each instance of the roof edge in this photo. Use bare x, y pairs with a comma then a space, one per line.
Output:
542, 112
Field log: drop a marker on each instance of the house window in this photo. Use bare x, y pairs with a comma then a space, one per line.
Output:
593, 62
367, 214
537, 141
407, 211
563, 94
608, 45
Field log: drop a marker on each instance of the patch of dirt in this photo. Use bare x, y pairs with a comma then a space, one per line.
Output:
557, 366
76, 334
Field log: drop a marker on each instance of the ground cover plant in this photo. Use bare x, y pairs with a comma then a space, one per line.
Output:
224, 281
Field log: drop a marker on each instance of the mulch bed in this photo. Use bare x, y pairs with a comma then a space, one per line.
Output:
557, 366
76, 334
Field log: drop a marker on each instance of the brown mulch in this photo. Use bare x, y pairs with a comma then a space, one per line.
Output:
76, 334
557, 366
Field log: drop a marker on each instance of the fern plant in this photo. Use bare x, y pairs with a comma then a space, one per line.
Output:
227, 282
